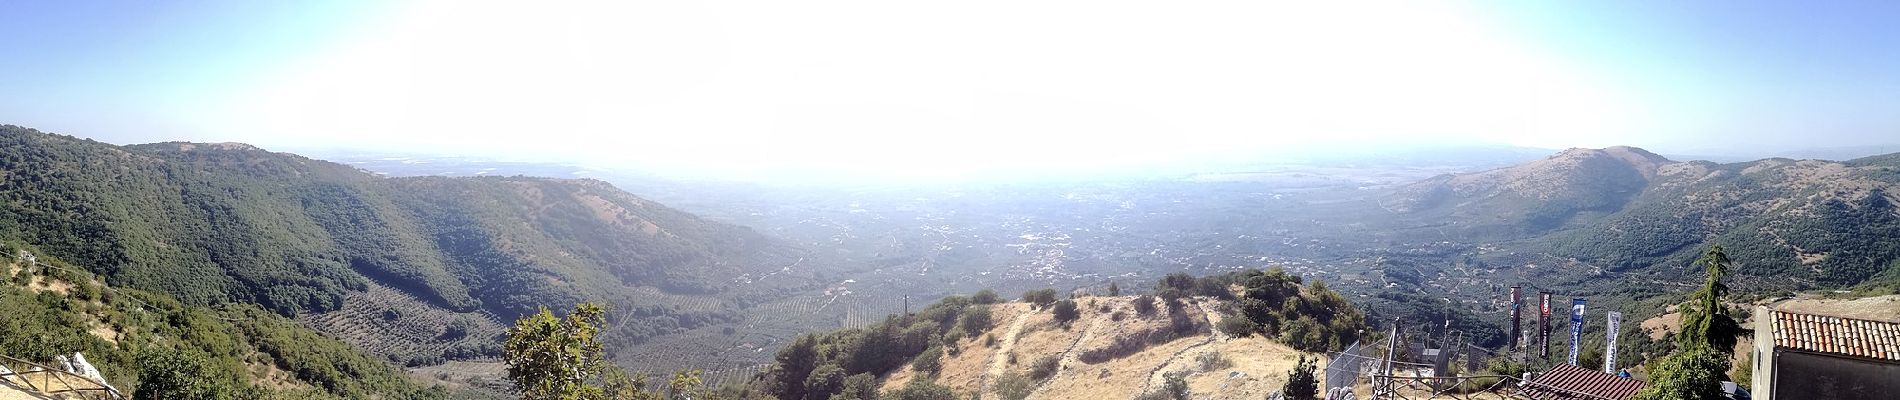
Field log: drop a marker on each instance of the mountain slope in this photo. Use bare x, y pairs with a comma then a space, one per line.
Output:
1807, 223
1537, 196
141, 340
230, 223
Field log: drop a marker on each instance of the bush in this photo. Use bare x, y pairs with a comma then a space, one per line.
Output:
1012, 386
1300, 382
1044, 367
1065, 311
975, 320
1237, 325
930, 362
1174, 385
1040, 297
921, 389
1212, 361
985, 296
1144, 305
1696, 373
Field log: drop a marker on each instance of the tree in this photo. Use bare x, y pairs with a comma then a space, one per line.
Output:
1012, 385
1300, 382
553, 358
824, 381
792, 365
985, 296
685, 384
1701, 363
1065, 311
1704, 322
1114, 290
858, 387
178, 374
1693, 374
617, 384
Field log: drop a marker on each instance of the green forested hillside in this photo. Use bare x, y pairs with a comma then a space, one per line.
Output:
1788, 223
152, 346
213, 224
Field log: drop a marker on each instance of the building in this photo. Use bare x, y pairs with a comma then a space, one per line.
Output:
1570, 382
1807, 355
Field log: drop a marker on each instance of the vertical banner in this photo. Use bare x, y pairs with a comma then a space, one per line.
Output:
1609, 342
1576, 328
1543, 324
1517, 304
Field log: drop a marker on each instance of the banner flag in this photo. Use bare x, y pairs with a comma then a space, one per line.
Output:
1543, 325
1517, 333
1576, 328
1609, 342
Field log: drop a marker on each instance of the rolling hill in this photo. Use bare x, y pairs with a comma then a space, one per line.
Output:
1788, 223
229, 223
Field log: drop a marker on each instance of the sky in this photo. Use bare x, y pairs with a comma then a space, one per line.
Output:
905, 90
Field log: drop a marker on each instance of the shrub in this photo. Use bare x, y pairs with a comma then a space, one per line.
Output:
975, 319
1300, 382
985, 296
1237, 325
929, 362
1065, 311
1040, 297
1118, 316
1012, 386
1145, 305
1212, 361
1044, 367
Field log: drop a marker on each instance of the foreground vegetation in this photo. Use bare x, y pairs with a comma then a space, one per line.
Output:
154, 347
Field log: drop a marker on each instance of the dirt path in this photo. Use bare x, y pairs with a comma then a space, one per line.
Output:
999, 361
1070, 357
1180, 361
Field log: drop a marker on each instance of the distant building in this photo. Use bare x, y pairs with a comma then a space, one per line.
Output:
1811, 356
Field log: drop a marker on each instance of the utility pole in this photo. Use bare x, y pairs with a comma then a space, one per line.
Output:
907, 305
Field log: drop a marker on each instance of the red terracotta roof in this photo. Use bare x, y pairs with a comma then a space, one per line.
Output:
1566, 381
1837, 335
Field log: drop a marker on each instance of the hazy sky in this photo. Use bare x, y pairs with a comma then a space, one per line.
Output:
910, 88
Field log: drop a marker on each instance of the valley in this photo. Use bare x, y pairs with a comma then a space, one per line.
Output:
425, 263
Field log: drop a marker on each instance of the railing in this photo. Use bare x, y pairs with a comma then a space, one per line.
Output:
1434, 387
54, 381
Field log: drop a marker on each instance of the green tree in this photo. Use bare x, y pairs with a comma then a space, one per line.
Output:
1704, 322
792, 365
1300, 382
858, 387
618, 385
1692, 374
1114, 290
554, 358
824, 381
179, 374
